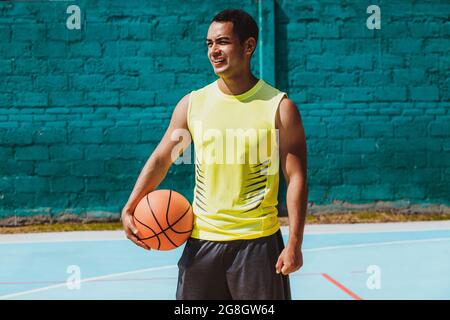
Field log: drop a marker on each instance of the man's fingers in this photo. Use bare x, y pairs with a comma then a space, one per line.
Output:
289, 268
134, 229
132, 232
132, 226
286, 269
279, 265
137, 241
143, 245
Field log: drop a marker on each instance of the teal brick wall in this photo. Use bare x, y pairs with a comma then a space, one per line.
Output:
82, 110
375, 103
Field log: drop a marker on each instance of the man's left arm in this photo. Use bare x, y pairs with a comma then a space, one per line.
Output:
292, 148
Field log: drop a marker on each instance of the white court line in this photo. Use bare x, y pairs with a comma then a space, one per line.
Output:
385, 227
322, 232
85, 280
375, 244
173, 266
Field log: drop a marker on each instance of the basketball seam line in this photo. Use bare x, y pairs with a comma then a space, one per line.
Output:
154, 217
149, 228
169, 227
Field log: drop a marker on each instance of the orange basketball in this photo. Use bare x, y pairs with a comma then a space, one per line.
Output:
164, 219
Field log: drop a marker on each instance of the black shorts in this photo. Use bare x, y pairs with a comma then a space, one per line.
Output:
238, 270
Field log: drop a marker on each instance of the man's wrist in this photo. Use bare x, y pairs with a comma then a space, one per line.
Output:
295, 242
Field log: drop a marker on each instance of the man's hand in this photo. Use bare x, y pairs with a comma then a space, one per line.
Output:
290, 260
130, 228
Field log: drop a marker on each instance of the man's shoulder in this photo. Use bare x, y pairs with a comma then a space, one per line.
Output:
183, 103
287, 114
287, 103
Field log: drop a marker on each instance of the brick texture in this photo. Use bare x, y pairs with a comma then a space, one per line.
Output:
82, 110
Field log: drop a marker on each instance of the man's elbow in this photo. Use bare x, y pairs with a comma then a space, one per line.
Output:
297, 178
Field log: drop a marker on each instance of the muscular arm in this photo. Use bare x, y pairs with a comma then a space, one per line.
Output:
294, 165
157, 165
292, 145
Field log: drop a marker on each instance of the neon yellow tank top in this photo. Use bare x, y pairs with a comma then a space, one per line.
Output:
236, 162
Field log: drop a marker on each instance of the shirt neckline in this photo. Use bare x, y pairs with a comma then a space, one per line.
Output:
241, 96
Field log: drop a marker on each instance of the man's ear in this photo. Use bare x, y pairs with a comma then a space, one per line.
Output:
250, 45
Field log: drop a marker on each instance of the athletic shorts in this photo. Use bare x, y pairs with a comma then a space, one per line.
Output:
232, 270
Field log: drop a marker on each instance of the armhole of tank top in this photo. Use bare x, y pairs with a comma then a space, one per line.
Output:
188, 120
280, 97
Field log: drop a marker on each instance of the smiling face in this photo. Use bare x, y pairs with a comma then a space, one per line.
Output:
226, 54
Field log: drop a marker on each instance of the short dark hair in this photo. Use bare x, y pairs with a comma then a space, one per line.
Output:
244, 26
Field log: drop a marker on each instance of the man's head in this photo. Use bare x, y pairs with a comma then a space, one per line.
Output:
231, 40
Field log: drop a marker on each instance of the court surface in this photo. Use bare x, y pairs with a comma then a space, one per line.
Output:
343, 262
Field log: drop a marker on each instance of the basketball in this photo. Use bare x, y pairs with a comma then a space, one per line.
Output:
164, 219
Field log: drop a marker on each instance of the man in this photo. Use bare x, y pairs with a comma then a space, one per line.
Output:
236, 250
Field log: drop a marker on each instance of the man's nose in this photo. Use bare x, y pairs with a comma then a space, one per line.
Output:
216, 50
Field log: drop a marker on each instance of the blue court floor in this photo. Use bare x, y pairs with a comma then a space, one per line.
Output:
343, 262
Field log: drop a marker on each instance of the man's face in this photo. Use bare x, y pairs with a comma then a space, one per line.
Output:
225, 53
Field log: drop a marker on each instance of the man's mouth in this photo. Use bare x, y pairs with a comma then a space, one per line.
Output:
218, 61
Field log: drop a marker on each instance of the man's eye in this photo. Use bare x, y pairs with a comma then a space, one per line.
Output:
220, 42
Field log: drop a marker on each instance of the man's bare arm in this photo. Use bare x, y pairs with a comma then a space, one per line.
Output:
294, 166
157, 166
292, 144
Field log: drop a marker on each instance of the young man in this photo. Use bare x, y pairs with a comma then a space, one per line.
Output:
236, 250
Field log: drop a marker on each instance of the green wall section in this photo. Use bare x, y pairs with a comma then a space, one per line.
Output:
82, 110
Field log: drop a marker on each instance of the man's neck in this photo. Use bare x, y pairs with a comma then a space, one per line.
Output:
237, 86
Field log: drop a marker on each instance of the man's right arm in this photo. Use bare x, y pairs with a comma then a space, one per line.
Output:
156, 167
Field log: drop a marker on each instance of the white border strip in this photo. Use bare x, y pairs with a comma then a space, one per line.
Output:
81, 236
68, 236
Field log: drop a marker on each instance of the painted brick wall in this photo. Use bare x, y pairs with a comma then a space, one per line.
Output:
82, 110
375, 103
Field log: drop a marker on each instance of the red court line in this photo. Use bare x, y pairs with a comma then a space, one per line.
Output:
342, 287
